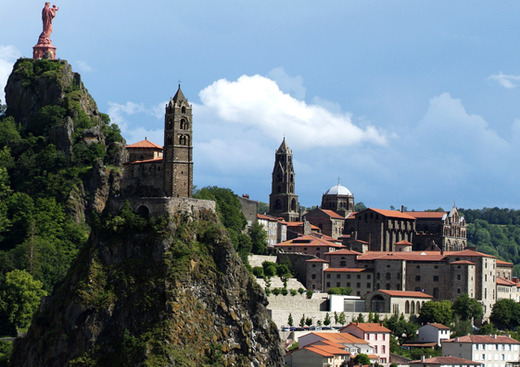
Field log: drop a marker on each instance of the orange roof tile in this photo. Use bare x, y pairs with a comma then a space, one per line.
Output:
147, 161
403, 243
316, 261
467, 252
431, 215
367, 327
504, 281
346, 270
343, 252
144, 144
340, 338
391, 213
412, 294
438, 326
319, 351
332, 349
308, 241
332, 214
483, 339
462, 262
504, 263
266, 217
448, 360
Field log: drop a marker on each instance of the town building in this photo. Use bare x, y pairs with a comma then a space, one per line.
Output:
275, 228
377, 336
490, 350
445, 362
433, 333
283, 202
439, 230
328, 221
397, 302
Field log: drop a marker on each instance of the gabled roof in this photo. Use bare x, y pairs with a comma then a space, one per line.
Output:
367, 327
346, 270
266, 217
332, 214
308, 241
340, 338
155, 160
429, 215
343, 252
144, 144
468, 252
390, 213
504, 263
448, 360
420, 255
330, 349
437, 325
483, 339
408, 294
506, 282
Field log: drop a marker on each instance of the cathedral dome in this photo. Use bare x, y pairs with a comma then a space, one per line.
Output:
338, 190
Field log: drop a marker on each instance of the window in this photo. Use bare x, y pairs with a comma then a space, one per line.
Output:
359, 276
328, 276
338, 276
328, 284
369, 285
338, 284
313, 276
369, 277
383, 349
358, 285
435, 278
458, 277
417, 278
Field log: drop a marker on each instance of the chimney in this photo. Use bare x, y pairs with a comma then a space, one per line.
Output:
402, 208
380, 323
423, 358
495, 336
457, 339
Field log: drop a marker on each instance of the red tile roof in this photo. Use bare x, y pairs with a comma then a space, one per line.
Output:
420, 255
432, 215
144, 144
467, 252
308, 241
403, 243
392, 213
332, 214
504, 263
316, 261
343, 252
346, 270
266, 217
340, 338
483, 339
462, 262
438, 326
411, 294
332, 350
446, 361
367, 327
147, 161
504, 281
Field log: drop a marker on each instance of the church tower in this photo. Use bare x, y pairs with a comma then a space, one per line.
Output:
178, 150
283, 202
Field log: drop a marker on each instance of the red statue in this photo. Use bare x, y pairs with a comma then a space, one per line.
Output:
44, 48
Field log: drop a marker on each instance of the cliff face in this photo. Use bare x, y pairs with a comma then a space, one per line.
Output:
46, 98
160, 292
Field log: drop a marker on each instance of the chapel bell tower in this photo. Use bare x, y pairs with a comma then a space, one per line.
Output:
283, 202
178, 150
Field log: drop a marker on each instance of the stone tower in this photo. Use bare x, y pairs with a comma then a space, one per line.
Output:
283, 202
178, 150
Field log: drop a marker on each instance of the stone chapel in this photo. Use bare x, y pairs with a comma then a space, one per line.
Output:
155, 171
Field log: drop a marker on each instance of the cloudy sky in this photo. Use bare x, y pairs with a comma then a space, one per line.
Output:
413, 103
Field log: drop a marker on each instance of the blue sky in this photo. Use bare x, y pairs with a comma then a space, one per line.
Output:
412, 103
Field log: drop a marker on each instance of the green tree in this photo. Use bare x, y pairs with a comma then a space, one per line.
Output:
437, 312
20, 297
359, 206
468, 308
302, 321
308, 321
487, 329
258, 239
309, 293
340, 290
326, 322
402, 329
342, 318
290, 320
505, 314
361, 359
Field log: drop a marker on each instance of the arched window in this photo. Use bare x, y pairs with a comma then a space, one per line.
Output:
293, 204
169, 123
279, 188
169, 140
278, 205
407, 307
143, 211
183, 109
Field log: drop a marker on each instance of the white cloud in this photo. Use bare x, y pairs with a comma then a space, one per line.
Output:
506, 80
293, 85
8, 56
256, 103
83, 66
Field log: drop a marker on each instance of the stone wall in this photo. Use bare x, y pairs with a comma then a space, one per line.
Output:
297, 262
152, 206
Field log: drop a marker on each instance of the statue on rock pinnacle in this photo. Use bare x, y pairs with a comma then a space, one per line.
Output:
44, 48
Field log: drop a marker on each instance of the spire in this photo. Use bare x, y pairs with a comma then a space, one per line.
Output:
179, 96
283, 147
